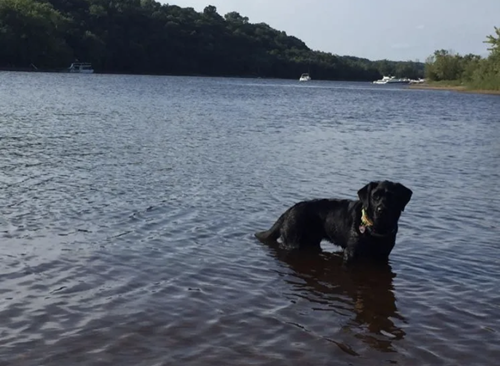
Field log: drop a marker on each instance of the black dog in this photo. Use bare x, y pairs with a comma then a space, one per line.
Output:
365, 228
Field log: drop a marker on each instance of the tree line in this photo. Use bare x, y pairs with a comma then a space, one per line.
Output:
472, 71
146, 37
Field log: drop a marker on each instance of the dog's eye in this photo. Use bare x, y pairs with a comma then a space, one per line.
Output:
376, 195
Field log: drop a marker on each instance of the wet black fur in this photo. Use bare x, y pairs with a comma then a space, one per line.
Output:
307, 223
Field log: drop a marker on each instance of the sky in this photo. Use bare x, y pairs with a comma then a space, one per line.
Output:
374, 29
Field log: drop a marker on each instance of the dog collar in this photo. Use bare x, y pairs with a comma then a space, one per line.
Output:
367, 224
365, 221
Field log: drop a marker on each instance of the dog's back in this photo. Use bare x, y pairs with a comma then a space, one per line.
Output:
306, 223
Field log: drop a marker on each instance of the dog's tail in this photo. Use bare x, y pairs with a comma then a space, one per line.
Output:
273, 233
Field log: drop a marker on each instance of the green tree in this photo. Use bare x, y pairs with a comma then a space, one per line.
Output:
494, 41
444, 65
32, 32
235, 17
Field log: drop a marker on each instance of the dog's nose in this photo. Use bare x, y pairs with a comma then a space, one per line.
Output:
380, 209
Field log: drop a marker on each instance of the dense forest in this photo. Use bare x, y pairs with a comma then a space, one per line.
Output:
471, 71
146, 37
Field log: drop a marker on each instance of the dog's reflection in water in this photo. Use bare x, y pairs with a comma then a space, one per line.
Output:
366, 287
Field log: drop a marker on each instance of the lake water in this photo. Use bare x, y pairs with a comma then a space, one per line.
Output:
128, 207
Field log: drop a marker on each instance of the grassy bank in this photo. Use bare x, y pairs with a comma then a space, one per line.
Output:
454, 85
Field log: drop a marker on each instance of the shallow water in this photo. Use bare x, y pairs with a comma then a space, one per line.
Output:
129, 203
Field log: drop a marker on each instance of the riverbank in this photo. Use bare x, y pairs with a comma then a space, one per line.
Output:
244, 76
457, 88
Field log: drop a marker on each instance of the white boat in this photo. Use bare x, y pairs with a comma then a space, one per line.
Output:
417, 81
81, 68
305, 77
391, 80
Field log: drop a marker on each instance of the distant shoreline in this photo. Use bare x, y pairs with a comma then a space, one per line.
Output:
461, 89
248, 76
424, 86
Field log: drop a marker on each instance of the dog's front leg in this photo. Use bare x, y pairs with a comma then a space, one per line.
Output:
349, 254
353, 249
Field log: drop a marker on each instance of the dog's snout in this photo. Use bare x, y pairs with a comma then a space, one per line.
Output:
380, 209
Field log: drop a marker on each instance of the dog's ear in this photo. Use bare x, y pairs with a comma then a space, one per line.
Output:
365, 193
403, 194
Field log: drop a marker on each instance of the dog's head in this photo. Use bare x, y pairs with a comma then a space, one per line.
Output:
383, 202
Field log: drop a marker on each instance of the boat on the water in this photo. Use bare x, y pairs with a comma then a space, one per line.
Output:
305, 77
81, 68
392, 80
417, 81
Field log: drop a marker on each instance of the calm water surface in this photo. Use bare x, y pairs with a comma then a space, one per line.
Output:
128, 205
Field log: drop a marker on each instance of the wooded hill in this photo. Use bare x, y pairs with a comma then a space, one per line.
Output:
146, 37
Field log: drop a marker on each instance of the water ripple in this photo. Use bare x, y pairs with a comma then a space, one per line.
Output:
127, 221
